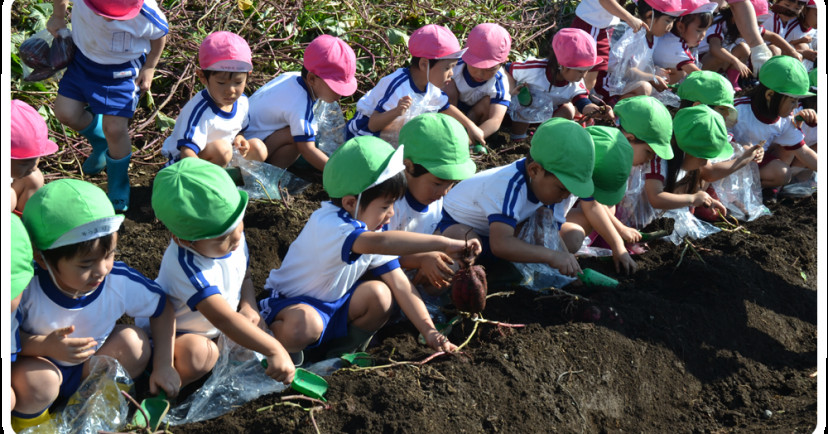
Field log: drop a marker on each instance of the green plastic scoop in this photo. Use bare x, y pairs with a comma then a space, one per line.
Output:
363, 360
524, 96
592, 277
156, 408
656, 235
307, 383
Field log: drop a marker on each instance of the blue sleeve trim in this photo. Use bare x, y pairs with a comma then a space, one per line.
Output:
155, 19
502, 219
505, 102
195, 117
386, 267
184, 143
348, 256
402, 78
445, 107
197, 298
187, 263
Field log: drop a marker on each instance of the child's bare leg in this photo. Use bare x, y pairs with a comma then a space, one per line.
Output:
71, 113
116, 130
566, 111
130, 346
258, 150
218, 152
575, 229
741, 52
712, 63
296, 327
26, 186
36, 383
370, 306
519, 129
645, 88
281, 150
774, 174
194, 356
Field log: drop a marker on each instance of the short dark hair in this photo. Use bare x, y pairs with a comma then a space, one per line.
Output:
641, 8
230, 74
415, 62
418, 170
706, 20
52, 256
393, 187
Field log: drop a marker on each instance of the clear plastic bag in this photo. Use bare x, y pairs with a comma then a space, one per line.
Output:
687, 225
635, 210
804, 188
539, 110
631, 63
428, 103
330, 126
542, 229
266, 181
43, 55
741, 192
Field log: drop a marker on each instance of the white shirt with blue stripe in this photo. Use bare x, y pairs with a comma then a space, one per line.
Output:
116, 41
500, 194
320, 263
15, 335
282, 102
124, 291
471, 91
412, 216
201, 121
188, 278
387, 94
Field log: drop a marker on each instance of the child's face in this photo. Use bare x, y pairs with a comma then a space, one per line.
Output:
483, 75
220, 246
83, 273
642, 152
378, 213
794, 6
692, 33
572, 75
321, 90
545, 186
662, 25
427, 188
224, 87
22, 168
811, 17
787, 105
440, 74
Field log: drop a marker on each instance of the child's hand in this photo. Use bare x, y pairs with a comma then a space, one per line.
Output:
809, 116
242, 145
516, 90
144, 79
457, 248
476, 135
439, 342
54, 24
402, 105
70, 350
755, 152
637, 24
629, 235
793, 53
659, 83
744, 71
435, 270
253, 316
164, 377
565, 262
625, 261
280, 368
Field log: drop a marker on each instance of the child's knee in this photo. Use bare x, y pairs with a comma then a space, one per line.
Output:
573, 236
298, 326
36, 383
115, 126
130, 345
566, 111
375, 295
194, 357
218, 152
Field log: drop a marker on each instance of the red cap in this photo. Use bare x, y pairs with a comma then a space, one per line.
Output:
434, 42
334, 62
116, 9
488, 44
29, 133
574, 48
811, 4
225, 51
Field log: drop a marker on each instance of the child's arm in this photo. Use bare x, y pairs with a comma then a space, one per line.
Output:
378, 121
315, 157
247, 303
506, 245
186, 152
432, 267
807, 156
661, 199
599, 218
616, 9
784, 46
163, 374
492, 123
144, 79
414, 309
406, 243
689, 67
58, 345
58, 19
725, 56
475, 133
715, 171
242, 145
628, 234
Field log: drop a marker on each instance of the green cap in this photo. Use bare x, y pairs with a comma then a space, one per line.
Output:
21, 257
647, 119
813, 78
439, 143
613, 162
785, 75
359, 164
197, 200
565, 149
69, 211
701, 132
711, 88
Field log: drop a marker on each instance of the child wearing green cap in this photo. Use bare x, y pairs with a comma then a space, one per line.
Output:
70, 308
316, 296
21, 272
489, 205
205, 269
436, 157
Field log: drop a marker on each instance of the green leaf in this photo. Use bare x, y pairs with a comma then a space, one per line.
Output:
40, 14
397, 37
164, 122
804, 277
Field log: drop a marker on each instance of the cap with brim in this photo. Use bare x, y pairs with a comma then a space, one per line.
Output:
69, 211
761, 9
488, 45
434, 42
334, 61
197, 200
613, 162
813, 79
701, 132
698, 7
575, 49
359, 164
785, 75
21, 257
116, 9
28, 133
667, 7
439, 143
565, 149
708, 87
225, 51
647, 119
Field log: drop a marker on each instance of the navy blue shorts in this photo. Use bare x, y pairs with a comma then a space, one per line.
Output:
108, 89
71, 378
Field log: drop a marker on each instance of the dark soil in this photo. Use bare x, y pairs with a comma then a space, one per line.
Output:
718, 338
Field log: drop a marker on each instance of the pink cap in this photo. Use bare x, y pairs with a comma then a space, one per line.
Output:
334, 62
698, 6
225, 51
811, 4
574, 48
29, 133
488, 44
434, 42
668, 7
116, 9
761, 8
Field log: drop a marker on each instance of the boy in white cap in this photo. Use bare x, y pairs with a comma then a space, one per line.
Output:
317, 297
479, 87
204, 270
70, 308
493, 202
29, 141
281, 111
210, 125
118, 44
434, 53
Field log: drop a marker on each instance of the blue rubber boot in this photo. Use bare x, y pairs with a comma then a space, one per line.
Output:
117, 174
94, 133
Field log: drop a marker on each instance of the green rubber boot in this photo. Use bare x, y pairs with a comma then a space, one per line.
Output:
117, 173
94, 133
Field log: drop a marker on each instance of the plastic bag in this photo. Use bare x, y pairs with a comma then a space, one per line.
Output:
804, 188
541, 108
631, 64
687, 225
428, 103
266, 181
635, 210
741, 192
330, 126
542, 229
43, 55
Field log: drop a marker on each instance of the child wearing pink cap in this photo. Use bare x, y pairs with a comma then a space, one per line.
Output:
806, 45
478, 86
559, 79
434, 53
281, 111
29, 141
210, 125
675, 50
118, 44
795, 21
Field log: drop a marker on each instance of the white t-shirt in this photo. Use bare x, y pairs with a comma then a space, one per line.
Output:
496, 88
201, 122
500, 194
320, 262
387, 94
593, 13
809, 132
45, 308
283, 101
15, 335
752, 130
783, 29
533, 73
189, 278
672, 52
115, 42
412, 216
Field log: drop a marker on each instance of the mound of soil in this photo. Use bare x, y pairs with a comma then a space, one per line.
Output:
716, 337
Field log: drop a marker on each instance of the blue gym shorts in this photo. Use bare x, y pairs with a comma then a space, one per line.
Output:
334, 314
71, 378
108, 89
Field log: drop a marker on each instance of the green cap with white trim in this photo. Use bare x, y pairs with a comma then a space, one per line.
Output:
69, 211
359, 164
565, 149
21, 257
439, 143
